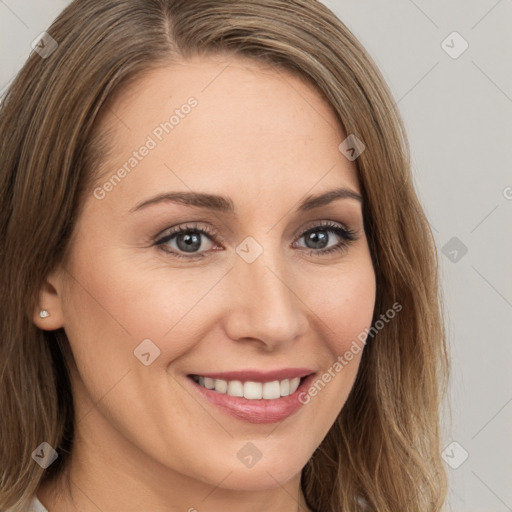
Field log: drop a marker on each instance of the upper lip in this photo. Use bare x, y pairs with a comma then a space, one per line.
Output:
251, 375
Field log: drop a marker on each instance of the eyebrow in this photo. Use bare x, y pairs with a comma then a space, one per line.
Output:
225, 204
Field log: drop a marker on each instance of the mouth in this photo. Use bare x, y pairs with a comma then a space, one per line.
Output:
254, 396
250, 390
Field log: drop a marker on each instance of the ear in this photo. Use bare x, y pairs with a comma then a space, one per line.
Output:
50, 299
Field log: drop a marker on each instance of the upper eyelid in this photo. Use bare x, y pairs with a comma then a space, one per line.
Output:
321, 224
186, 227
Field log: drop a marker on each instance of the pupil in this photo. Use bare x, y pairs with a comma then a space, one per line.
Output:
318, 238
192, 242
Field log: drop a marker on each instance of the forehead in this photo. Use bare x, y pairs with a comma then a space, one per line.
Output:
221, 120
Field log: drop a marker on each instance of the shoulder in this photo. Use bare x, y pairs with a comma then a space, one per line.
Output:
36, 505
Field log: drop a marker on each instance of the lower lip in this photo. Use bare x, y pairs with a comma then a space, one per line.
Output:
256, 411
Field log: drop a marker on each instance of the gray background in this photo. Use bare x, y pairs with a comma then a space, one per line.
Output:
457, 112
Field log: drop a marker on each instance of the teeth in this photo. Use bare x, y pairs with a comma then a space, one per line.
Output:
208, 383
285, 387
271, 390
221, 386
294, 384
251, 390
235, 388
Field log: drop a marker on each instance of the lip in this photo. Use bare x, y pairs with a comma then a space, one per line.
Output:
256, 411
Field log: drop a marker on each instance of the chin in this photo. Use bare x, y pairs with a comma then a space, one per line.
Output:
264, 478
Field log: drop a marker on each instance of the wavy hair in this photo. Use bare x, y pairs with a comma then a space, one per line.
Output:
384, 448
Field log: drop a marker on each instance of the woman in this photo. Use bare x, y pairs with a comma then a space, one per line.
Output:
220, 290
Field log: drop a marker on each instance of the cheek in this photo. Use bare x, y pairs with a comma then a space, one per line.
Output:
342, 301
343, 304
115, 303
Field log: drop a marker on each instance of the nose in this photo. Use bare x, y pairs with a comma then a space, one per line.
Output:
263, 308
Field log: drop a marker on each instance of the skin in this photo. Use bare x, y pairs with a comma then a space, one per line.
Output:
266, 139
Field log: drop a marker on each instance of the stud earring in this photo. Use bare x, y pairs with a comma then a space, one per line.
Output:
44, 313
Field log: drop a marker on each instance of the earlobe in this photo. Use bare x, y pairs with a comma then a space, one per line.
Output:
48, 311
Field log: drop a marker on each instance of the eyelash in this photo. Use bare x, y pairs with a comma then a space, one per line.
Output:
347, 237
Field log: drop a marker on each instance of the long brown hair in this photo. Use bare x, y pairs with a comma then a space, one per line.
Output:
384, 448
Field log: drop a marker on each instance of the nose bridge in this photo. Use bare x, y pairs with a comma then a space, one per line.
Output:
265, 306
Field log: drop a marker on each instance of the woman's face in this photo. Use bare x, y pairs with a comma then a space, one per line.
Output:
258, 290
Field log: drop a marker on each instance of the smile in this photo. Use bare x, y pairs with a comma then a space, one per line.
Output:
254, 396
250, 390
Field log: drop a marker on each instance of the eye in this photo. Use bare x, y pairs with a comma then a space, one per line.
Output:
188, 241
317, 238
